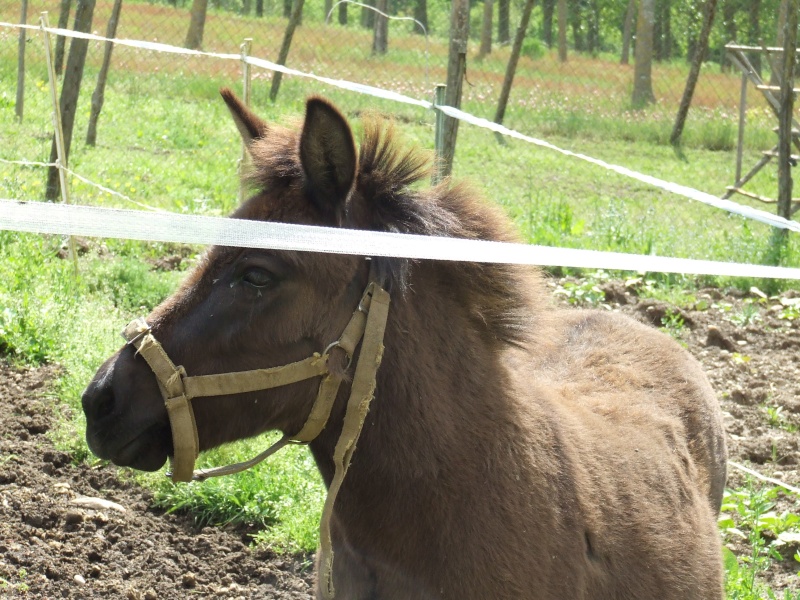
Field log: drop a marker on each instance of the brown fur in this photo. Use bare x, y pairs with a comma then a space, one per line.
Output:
513, 451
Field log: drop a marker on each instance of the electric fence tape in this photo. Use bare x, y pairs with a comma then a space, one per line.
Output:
49, 218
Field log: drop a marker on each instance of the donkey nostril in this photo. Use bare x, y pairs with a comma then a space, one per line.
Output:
97, 403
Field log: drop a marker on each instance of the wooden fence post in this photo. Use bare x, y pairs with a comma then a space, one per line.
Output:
70, 90
245, 48
456, 67
785, 114
438, 143
58, 132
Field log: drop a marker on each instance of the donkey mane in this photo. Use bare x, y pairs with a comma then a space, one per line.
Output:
501, 298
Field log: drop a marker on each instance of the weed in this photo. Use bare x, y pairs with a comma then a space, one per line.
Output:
673, 324
748, 314
747, 516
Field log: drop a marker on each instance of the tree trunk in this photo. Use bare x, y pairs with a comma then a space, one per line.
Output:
19, 106
71, 87
643, 71
100, 89
662, 33
511, 68
368, 15
754, 32
627, 32
287, 9
783, 15
548, 9
283, 54
694, 72
259, 8
247, 7
575, 19
456, 66
328, 8
421, 15
486, 29
380, 37
562, 30
729, 24
63, 23
343, 13
666, 29
503, 22
593, 37
197, 22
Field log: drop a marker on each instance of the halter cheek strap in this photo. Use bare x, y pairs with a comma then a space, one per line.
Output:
178, 389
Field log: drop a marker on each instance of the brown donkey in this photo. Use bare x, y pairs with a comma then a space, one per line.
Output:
512, 450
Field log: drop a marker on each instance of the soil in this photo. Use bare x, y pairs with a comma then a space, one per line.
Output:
54, 545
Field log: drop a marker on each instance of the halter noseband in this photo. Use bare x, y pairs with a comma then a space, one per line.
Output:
178, 388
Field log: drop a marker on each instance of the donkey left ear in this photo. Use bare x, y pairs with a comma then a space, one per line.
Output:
328, 156
250, 126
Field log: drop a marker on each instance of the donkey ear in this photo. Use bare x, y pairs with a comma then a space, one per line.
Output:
250, 126
328, 156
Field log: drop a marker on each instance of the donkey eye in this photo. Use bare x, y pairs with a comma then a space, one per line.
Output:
258, 278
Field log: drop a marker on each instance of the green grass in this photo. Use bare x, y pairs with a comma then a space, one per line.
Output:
748, 517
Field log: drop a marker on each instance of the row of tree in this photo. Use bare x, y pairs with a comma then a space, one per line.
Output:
586, 26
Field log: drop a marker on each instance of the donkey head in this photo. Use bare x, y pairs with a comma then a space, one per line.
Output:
243, 309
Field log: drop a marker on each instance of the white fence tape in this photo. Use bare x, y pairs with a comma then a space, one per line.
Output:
44, 217
681, 190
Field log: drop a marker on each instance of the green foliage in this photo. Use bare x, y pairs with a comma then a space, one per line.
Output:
747, 516
281, 498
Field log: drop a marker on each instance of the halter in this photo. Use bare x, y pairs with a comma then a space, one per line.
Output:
178, 389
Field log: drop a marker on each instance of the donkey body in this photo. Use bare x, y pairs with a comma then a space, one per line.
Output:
512, 451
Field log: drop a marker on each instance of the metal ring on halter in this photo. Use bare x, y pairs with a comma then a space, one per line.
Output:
335, 344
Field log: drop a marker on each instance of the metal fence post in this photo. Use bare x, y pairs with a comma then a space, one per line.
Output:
438, 143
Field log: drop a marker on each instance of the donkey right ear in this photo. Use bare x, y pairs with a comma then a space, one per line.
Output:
250, 126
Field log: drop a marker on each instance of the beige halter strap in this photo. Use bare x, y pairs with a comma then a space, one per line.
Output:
178, 388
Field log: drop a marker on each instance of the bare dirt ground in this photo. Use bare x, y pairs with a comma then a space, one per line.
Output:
53, 546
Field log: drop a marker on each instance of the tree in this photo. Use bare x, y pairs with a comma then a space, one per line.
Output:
283, 53
368, 15
421, 15
694, 71
562, 30
68, 103
63, 22
754, 32
783, 15
548, 10
729, 23
627, 32
643, 70
343, 13
511, 68
486, 29
380, 38
98, 96
503, 21
197, 22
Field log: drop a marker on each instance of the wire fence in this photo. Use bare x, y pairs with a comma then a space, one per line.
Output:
590, 90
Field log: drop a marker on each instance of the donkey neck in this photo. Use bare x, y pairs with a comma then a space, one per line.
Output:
442, 390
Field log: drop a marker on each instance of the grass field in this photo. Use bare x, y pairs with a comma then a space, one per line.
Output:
165, 140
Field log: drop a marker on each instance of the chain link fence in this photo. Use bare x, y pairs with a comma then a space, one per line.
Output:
588, 93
